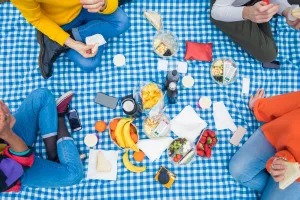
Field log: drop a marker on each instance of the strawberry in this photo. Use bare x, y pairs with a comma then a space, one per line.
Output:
208, 153
209, 140
205, 134
211, 134
206, 147
200, 146
178, 156
214, 142
200, 153
203, 140
175, 159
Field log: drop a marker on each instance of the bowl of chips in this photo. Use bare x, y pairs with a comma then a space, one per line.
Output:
224, 71
165, 44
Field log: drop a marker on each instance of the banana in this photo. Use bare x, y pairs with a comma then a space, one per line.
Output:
128, 141
119, 131
130, 166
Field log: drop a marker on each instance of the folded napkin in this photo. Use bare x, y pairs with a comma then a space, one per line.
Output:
222, 117
112, 157
188, 124
153, 148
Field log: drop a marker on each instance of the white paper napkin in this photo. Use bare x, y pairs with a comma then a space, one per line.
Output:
222, 117
182, 67
112, 157
162, 65
154, 148
188, 124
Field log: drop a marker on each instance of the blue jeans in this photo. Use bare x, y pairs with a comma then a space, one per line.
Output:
38, 113
87, 24
247, 166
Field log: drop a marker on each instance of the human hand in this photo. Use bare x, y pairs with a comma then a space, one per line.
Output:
278, 169
7, 121
259, 95
294, 24
87, 51
260, 12
94, 5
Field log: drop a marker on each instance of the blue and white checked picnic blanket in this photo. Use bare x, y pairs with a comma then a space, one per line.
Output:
189, 20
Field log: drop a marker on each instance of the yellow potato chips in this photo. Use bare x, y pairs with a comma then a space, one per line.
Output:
151, 94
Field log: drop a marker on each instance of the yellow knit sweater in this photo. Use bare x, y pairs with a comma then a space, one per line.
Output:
48, 15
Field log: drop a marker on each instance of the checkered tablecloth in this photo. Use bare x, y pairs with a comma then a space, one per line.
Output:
189, 20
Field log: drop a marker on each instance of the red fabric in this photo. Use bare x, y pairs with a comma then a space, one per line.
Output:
15, 188
24, 161
198, 51
266, 1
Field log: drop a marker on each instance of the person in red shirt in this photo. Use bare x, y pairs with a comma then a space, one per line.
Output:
260, 163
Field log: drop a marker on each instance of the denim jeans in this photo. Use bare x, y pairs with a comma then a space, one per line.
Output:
38, 113
87, 24
247, 166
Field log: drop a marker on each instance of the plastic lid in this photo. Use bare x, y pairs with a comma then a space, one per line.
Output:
172, 86
119, 60
128, 106
188, 81
174, 72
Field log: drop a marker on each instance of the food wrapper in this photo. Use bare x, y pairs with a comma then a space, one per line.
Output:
150, 96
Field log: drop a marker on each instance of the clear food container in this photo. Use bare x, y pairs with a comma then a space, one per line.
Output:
158, 126
165, 44
224, 71
181, 152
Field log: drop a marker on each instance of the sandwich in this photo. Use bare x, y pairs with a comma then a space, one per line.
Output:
291, 174
154, 18
296, 13
103, 165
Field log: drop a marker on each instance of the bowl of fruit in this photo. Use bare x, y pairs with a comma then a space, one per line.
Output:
181, 152
123, 133
208, 139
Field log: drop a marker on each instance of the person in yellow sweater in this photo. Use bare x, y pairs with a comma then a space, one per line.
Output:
64, 25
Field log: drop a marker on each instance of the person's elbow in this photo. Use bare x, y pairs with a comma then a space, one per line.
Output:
214, 16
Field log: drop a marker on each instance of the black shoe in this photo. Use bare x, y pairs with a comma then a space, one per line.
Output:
49, 52
122, 2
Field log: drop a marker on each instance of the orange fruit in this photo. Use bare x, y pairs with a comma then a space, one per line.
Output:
139, 156
113, 135
100, 126
113, 124
134, 137
132, 129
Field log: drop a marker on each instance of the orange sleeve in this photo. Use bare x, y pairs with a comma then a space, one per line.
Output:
269, 109
32, 12
284, 153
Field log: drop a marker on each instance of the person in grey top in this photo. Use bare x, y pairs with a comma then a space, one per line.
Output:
246, 22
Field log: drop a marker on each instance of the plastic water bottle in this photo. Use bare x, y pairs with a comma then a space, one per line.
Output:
172, 93
172, 76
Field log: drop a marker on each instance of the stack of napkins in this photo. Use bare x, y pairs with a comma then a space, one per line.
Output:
222, 117
154, 148
111, 157
188, 124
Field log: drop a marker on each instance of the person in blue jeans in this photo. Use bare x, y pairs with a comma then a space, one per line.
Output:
258, 164
40, 113
64, 25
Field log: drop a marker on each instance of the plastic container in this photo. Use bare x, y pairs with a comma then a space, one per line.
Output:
137, 132
224, 71
158, 126
183, 151
163, 42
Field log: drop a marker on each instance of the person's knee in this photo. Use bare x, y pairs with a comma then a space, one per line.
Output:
89, 65
236, 169
267, 55
75, 175
42, 94
123, 25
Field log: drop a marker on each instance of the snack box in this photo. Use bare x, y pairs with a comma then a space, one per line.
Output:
181, 152
207, 140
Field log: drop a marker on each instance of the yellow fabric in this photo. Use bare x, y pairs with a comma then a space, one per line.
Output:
2, 147
48, 15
